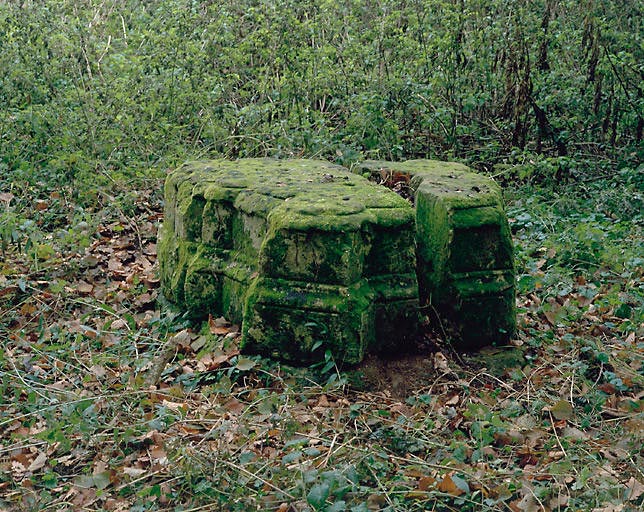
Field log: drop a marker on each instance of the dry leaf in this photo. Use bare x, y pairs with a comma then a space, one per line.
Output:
323, 401
98, 371
527, 504
118, 324
551, 317
425, 483
6, 197
453, 400
440, 362
182, 339
133, 472
9, 289
610, 508
635, 489
28, 309
235, 406
219, 326
574, 434
84, 288
376, 501
453, 485
38, 462
244, 364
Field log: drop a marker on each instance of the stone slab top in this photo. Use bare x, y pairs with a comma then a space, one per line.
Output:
452, 182
305, 193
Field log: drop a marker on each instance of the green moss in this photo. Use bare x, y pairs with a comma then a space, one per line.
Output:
288, 320
217, 224
463, 245
274, 244
202, 284
313, 255
304, 253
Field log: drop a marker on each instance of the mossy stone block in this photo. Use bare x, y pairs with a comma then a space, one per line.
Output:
464, 248
305, 255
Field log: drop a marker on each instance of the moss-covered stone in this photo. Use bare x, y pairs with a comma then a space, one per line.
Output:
464, 248
309, 257
303, 253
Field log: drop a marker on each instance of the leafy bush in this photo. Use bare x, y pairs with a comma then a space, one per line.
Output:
97, 92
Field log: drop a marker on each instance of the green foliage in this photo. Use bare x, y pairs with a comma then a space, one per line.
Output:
100, 92
97, 97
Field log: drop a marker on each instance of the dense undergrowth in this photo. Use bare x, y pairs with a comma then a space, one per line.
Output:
103, 91
110, 402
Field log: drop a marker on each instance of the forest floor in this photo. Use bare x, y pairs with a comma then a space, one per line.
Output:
109, 401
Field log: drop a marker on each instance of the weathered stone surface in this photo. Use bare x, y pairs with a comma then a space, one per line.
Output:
305, 254
464, 248
302, 253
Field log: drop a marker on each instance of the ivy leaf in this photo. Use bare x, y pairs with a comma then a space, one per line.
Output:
562, 410
291, 457
317, 495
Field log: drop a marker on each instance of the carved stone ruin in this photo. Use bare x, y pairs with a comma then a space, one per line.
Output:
310, 257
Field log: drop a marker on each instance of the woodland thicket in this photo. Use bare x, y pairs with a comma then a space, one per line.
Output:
112, 401
122, 86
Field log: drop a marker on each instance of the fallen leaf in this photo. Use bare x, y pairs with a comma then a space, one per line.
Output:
84, 288
28, 309
98, 371
574, 434
323, 401
527, 504
635, 489
199, 343
102, 480
9, 289
133, 472
38, 462
118, 324
6, 197
376, 501
551, 317
182, 339
441, 363
219, 326
235, 406
610, 508
607, 388
453, 485
562, 410
453, 400
425, 483
114, 265
244, 364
